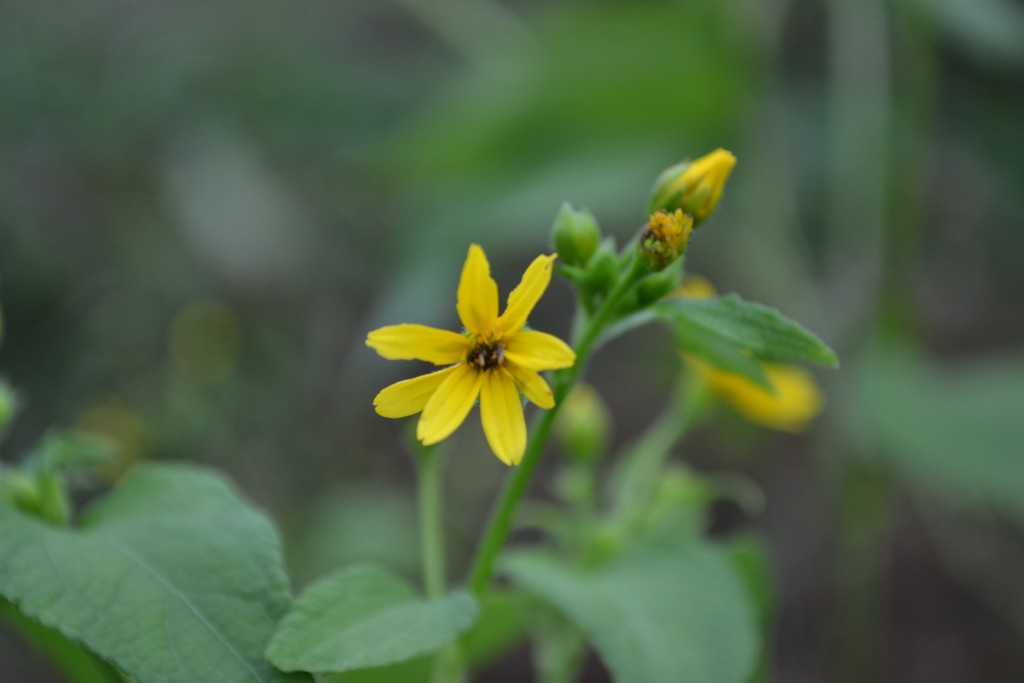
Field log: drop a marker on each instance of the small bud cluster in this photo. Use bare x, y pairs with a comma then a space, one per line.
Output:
665, 238
684, 195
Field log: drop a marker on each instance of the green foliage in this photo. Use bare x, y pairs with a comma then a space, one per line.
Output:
733, 334
8, 406
501, 626
364, 617
172, 577
955, 432
656, 614
68, 452
75, 663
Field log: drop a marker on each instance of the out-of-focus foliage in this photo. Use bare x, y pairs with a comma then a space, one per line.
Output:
361, 618
681, 606
954, 431
213, 586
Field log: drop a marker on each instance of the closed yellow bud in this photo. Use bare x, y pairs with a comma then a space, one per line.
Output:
693, 186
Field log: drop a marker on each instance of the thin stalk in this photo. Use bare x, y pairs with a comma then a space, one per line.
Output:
431, 524
448, 661
504, 510
644, 459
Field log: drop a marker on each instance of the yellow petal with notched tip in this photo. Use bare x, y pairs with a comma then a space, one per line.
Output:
409, 396
539, 351
501, 411
418, 342
526, 295
532, 385
448, 406
477, 301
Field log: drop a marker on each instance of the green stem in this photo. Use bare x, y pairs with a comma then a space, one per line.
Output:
865, 499
431, 526
644, 460
448, 661
504, 510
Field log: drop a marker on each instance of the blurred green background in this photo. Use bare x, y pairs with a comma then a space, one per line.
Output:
204, 207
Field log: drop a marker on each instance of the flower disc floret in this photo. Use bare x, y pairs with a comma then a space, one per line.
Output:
665, 238
493, 361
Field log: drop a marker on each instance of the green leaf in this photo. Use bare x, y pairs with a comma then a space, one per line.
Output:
502, 625
659, 614
70, 451
953, 431
760, 330
364, 617
414, 671
172, 577
74, 662
749, 555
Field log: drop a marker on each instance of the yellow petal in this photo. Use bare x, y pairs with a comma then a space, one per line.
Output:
448, 406
695, 287
538, 351
409, 396
478, 294
501, 412
796, 401
525, 296
532, 385
419, 342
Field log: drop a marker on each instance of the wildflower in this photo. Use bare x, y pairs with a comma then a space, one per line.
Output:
665, 238
794, 401
494, 359
694, 186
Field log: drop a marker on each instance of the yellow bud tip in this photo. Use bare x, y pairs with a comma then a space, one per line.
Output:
702, 182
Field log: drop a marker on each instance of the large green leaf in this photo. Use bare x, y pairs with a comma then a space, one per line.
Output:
660, 614
956, 431
364, 617
757, 329
75, 663
172, 577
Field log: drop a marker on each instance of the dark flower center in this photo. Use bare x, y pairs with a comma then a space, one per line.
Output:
486, 356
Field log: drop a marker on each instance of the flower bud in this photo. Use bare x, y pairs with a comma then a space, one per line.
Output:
604, 267
665, 238
582, 425
693, 186
657, 285
575, 235
8, 406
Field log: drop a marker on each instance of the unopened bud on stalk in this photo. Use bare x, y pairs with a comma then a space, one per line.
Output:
575, 235
8, 406
665, 238
657, 285
582, 425
693, 186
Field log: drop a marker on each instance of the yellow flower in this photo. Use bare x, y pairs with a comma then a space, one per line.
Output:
695, 187
494, 359
795, 401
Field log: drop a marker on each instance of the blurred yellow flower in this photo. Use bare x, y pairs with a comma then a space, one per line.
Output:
494, 359
796, 399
